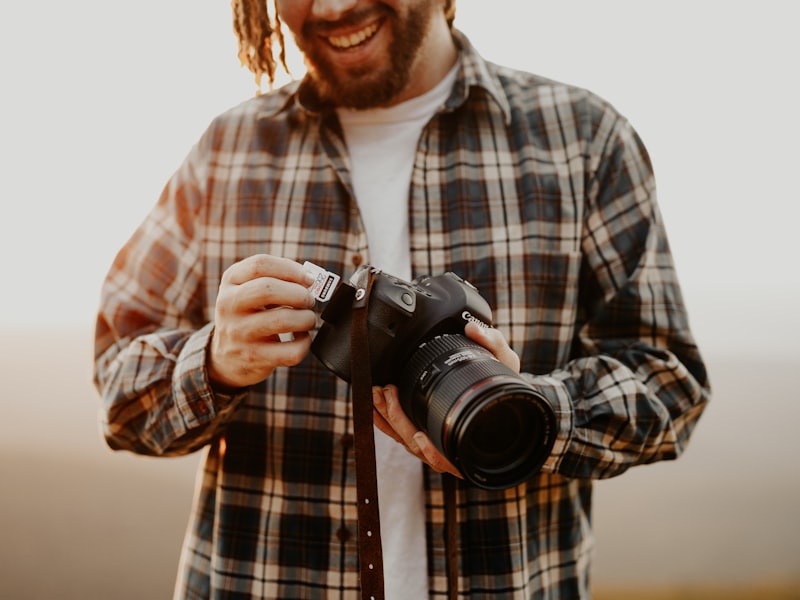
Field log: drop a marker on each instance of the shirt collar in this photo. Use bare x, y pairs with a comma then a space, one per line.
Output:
476, 74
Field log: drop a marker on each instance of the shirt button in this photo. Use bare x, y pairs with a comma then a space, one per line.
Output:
343, 534
357, 260
346, 440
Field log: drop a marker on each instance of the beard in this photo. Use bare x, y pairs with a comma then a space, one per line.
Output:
368, 86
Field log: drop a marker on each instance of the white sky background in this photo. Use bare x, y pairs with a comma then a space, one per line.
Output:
102, 100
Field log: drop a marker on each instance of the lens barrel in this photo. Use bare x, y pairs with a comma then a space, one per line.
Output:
487, 420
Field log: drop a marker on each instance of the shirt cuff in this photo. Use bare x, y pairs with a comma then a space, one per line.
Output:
557, 395
197, 402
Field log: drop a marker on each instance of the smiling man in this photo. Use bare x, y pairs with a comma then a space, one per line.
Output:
401, 148
375, 54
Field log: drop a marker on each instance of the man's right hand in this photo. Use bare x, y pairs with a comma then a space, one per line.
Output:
259, 298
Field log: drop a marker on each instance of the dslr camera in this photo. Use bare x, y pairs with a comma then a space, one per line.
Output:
486, 419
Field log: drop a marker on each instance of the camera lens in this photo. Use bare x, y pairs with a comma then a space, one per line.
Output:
487, 420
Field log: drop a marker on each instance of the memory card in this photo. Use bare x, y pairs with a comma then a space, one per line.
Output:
325, 282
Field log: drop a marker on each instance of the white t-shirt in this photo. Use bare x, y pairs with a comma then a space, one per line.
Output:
382, 144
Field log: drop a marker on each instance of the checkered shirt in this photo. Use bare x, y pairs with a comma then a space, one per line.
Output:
541, 195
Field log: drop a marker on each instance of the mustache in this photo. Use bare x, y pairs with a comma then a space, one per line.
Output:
321, 27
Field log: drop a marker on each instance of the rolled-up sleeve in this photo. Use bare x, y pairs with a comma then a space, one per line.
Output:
636, 384
153, 330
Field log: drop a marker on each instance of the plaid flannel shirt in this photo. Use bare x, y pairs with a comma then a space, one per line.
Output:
538, 193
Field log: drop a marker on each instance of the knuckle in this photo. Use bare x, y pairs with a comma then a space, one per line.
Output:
234, 331
309, 320
293, 353
379, 400
248, 355
276, 321
267, 287
261, 262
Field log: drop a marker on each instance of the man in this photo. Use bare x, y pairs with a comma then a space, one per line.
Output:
403, 149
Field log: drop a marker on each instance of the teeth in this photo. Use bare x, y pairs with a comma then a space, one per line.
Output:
343, 42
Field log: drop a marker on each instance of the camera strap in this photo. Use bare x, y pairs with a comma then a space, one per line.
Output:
370, 552
451, 535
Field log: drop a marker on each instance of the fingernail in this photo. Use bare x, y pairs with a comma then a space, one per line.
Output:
417, 448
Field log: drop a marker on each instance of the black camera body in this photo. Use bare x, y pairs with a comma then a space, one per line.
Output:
401, 316
485, 418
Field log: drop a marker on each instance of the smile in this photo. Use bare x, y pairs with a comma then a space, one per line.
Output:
346, 42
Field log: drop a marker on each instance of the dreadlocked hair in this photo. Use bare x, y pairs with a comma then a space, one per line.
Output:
450, 11
255, 31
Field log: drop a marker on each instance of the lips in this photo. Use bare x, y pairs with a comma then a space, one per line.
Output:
355, 39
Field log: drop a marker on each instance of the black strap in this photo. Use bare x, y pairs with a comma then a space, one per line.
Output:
451, 534
369, 524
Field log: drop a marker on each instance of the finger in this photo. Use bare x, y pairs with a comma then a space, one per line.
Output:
285, 354
379, 410
265, 265
495, 342
390, 418
387, 403
261, 292
383, 425
271, 353
240, 365
280, 319
435, 459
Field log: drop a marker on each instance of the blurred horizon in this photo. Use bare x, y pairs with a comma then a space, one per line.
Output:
723, 516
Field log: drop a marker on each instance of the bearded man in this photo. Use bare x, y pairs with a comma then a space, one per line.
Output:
403, 149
